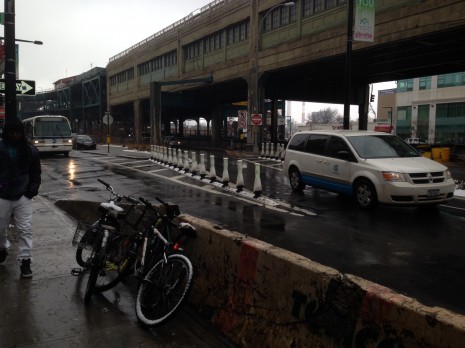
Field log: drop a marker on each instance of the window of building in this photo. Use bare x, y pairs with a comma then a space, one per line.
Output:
405, 85
279, 17
171, 58
451, 80
425, 82
213, 42
193, 50
423, 121
450, 110
310, 7
238, 32
121, 77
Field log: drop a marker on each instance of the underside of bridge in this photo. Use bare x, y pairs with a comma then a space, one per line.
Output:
323, 80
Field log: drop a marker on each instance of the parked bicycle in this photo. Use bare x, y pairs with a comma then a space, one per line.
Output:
156, 258
99, 245
150, 253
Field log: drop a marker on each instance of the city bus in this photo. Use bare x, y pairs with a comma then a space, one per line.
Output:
49, 133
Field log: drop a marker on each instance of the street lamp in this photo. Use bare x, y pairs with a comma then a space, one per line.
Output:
255, 65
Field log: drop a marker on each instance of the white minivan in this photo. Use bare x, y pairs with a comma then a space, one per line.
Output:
374, 167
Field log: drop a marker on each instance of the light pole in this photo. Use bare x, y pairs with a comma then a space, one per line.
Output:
256, 97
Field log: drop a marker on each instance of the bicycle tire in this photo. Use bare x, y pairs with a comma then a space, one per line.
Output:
116, 263
95, 264
163, 290
83, 254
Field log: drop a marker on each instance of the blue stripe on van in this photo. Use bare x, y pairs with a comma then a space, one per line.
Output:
330, 185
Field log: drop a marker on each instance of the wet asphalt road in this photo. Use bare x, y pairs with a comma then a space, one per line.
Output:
417, 252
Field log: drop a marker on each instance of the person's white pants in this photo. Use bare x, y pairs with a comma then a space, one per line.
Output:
22, 211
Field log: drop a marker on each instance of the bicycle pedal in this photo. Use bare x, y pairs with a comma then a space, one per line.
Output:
76, 271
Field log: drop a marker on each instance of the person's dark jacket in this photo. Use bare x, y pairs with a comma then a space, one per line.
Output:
20, 175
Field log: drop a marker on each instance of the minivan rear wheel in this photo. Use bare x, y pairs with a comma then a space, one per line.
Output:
365, 194
295, 179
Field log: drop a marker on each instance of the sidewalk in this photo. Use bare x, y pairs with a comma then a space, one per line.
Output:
47, 310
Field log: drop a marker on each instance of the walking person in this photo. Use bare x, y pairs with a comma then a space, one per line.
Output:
20, 178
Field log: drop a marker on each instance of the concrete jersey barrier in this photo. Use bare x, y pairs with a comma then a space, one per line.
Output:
263, 296
260, 295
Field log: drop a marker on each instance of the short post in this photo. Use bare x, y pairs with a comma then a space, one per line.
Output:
202, 166
240, 177
257, 185
212, 168
179, 159
225, 178
194, 163
263, 150
186, 160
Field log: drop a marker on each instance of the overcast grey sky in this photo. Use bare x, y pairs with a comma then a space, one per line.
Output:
80, 34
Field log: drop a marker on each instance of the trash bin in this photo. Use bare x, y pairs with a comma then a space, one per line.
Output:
436, 152
445, 154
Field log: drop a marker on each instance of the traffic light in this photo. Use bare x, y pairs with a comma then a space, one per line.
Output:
372, 98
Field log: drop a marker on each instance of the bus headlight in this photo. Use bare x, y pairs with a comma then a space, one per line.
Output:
393, 176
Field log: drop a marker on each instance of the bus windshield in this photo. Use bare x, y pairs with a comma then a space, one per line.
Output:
51, 128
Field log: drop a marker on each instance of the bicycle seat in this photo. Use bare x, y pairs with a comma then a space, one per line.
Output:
111, 207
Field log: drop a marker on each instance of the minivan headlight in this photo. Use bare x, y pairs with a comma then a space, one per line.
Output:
393, 176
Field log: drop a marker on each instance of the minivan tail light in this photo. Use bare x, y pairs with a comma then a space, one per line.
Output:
393, 176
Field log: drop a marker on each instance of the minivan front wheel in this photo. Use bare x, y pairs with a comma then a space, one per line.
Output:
365, 194
295, 179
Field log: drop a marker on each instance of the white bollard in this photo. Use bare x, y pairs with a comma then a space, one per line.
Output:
257, 185
225, 178
186, 160
263, 150
283, 152
179, 159
202, 166
267, 149
271, 150
194, 163
164, 158
240, 177
278, 151
167, 156
212, 168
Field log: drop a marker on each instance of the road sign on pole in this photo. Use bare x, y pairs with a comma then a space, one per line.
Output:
256, 119
23, 87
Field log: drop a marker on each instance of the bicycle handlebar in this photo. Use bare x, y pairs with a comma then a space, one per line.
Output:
110, 188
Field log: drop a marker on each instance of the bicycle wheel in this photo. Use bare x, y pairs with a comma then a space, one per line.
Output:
95, 262
116, 264
84, 253
163, 290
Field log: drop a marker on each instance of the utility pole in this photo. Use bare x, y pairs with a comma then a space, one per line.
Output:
348, 65
10, 60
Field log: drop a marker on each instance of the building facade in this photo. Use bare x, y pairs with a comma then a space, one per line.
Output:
431, 108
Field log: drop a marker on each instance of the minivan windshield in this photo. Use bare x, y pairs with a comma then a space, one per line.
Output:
381, 146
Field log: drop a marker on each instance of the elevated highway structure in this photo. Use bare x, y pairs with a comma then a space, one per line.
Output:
259, 52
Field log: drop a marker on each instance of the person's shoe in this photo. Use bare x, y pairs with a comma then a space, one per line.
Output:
3, 255
26, 271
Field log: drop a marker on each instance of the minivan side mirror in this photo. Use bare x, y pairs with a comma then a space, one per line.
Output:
345, 155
